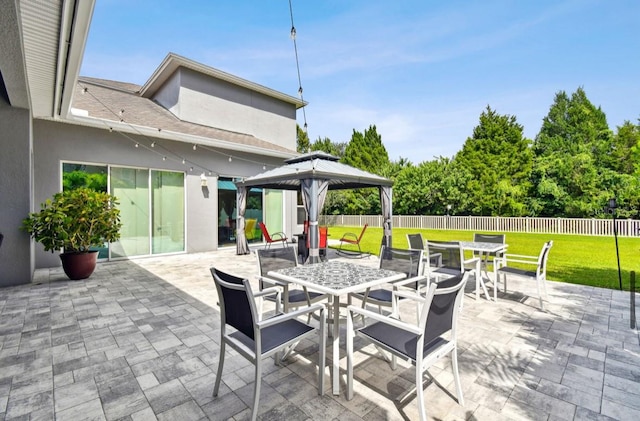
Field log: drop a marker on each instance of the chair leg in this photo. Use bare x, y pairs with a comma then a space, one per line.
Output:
322, 351
350, 335
456, 376
420, 393
256, 392
216, 388
539, 294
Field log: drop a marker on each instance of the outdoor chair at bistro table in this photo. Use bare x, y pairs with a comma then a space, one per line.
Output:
423, 344
280, 258
257, 339
408, 262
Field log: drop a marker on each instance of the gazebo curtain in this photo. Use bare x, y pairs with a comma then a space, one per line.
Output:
314, 193
242, 246
385, 201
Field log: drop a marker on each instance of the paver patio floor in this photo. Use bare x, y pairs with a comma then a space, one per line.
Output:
139, 340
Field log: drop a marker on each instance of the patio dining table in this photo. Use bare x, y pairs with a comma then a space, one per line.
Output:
336, 278
484, 249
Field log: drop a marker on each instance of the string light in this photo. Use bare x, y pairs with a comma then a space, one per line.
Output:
183, 161
85, 89
264, 167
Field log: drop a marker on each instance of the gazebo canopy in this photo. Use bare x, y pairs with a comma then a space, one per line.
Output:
315, 166
313, 173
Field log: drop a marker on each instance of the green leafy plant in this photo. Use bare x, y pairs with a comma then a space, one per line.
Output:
75, 220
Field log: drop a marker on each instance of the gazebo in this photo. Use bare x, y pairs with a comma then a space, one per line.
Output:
314, 174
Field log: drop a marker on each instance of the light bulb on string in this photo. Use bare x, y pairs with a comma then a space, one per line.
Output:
153, 144
230, 159
264, 167
191, 169
195, 147
293, 33
183, 161
137, 145
164, 158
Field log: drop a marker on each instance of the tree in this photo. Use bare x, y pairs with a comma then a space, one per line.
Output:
302, 140
428, 188
326, 145
573, 156
499, 161
626, 148
366, 151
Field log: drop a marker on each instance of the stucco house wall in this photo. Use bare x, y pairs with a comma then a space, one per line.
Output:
200, 99
55, 143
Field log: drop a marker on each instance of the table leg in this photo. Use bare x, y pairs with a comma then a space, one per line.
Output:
336, 345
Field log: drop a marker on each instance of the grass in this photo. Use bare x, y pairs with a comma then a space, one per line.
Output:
576, 259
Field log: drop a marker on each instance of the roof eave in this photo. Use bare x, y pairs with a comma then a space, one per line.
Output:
175, 136
173, 61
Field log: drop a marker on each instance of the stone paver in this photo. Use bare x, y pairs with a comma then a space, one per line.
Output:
139, 340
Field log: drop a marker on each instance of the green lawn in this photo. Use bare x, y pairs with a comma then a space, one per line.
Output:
577, 259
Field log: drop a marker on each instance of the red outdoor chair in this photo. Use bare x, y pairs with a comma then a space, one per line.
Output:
322, 242
351, 238
276, 237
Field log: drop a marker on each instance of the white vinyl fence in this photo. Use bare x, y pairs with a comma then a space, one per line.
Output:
579, 226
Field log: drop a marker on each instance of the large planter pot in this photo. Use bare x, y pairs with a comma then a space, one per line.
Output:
79, 265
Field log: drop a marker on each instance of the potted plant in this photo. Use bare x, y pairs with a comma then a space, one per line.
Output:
76, 220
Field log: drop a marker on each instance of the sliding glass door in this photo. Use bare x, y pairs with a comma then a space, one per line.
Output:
131, 187
167, 211
151, 204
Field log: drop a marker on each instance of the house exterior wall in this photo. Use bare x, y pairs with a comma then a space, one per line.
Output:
55, 143
213, 102
15, 194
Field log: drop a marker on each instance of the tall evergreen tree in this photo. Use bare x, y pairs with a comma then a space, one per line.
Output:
573, 151
499, 160
366, 151
626, 149
302, 140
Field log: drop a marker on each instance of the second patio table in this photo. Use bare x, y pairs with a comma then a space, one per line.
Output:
336, 278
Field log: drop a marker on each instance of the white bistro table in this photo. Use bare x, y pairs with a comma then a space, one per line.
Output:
336, 278
484, 249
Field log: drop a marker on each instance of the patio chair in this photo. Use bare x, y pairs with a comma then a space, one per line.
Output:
322, 242
273, 238
351, 238
408, 262
250, 229
280, 258
423, 344
256, 339
416, 242
488, 238
511, 264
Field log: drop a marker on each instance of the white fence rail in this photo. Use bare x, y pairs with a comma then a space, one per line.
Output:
578, 226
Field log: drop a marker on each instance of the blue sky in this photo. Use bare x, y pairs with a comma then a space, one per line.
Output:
421, 71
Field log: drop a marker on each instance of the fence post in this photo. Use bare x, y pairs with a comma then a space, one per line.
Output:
632, 295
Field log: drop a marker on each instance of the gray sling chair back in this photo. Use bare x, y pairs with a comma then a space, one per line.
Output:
408, 262
423, 344
280, 258
257, 339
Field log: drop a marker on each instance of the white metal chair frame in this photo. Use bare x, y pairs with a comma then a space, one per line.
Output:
252, 349
441, 343
539, 275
